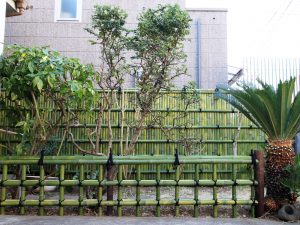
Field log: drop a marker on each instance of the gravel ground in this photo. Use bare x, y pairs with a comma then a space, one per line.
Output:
243, 193
150, 193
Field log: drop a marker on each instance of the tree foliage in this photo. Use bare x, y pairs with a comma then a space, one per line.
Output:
28, 74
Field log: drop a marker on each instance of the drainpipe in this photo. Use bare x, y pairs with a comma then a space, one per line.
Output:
198, 53
2, 23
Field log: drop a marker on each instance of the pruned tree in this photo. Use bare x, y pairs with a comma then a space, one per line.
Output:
158, 58
111, 37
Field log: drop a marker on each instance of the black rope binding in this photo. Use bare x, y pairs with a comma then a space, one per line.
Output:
41, 160
253, 158
110, 160
176, 162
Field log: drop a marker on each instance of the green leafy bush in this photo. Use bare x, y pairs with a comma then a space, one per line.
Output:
28, 74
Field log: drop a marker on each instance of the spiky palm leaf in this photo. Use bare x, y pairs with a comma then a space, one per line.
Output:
275, 111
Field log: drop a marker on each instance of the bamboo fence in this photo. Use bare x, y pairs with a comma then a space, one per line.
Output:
103, 181
209, 127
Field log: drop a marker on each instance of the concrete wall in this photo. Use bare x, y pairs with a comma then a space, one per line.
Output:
2, 23
38, 28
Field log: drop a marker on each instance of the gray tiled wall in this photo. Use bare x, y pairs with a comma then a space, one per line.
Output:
38, 28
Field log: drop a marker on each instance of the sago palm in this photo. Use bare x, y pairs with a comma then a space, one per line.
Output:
277, 113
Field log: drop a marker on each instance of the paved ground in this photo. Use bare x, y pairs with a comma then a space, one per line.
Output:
34, 220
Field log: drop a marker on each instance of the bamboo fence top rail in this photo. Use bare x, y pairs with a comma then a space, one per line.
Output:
128, 160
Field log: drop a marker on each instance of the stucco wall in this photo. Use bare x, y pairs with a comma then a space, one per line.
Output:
38, 28
2, 23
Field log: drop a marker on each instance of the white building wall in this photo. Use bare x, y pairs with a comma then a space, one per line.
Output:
2, 23
38, 28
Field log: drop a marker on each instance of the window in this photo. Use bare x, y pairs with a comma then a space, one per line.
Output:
68, 10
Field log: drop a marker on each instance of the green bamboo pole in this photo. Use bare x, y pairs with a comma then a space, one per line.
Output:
120, 195
153, 183
61, 189
81, 190
101, 159
3, 188
165, 141
158, 190
234, 197
138, 190
41, 190
23, 190
157, 127
131, 202
200, 110
100, 191
177, 177
215, 197
196, 191
75, 158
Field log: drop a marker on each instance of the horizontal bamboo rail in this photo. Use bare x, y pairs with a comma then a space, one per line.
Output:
107, 180
217, 126
158, 141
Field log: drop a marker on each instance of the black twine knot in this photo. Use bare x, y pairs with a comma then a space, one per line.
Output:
176, 162
41, 160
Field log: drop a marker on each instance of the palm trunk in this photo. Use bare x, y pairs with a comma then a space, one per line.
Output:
279, 155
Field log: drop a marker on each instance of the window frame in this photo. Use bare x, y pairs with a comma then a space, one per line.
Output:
58, 12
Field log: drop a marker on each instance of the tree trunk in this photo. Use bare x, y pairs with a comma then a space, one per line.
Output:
279, 155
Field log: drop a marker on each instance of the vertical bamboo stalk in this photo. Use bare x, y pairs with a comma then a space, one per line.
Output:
259, 189
110, 189
81, 189
234, 197
196, 191
61, 189
3, 188
157, 190
120, 195
23, 190
215, 197
138, 190
177, 174
122, 121
41, 190
100, 191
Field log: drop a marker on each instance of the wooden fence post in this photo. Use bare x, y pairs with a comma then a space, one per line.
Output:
259, 176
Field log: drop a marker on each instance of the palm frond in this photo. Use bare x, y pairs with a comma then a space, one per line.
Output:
274, 110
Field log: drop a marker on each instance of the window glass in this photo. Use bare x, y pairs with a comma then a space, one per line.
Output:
68, 9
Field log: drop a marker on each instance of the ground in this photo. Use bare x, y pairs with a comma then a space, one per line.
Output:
30, 220
150, 193
149, 211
